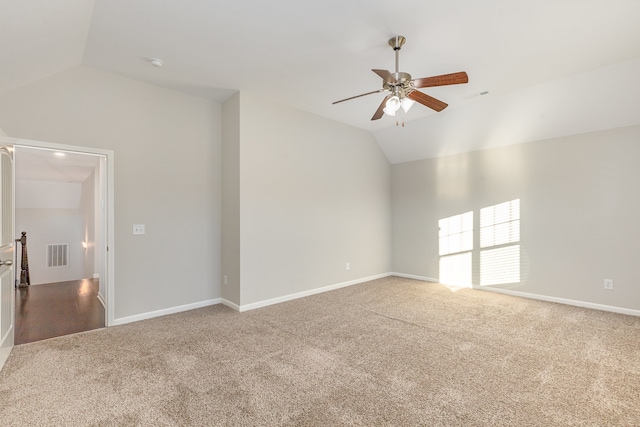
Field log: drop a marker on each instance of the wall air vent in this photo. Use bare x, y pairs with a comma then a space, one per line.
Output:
58, 255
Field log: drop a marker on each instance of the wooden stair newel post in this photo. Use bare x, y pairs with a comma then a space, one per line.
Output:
25, 280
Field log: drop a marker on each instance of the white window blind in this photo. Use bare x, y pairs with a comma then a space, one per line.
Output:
499, 238
455, 246
456, 269
500, 224
500, 265
456, 233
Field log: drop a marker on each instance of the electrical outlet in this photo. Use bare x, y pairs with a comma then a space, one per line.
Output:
608, 284
138, 228
347, 266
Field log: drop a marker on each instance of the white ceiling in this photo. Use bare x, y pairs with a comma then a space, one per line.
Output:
35, 164
551, 67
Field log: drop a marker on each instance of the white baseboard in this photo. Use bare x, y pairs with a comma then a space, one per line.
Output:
547, 298
230, 304
246, 307
165, 311
277, 300
412, 276
4, 355
566, 301
6, 351
101, 299
297, 295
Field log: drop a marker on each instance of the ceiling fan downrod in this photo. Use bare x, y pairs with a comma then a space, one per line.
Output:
396, 43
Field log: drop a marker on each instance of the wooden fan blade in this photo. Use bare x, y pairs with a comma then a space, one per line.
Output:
379, 111
427, 100
443, 80
358, 96
386, 76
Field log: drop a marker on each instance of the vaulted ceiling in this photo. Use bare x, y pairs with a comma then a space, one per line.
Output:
551, 68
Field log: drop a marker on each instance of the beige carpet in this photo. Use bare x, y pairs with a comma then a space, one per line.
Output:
391, 352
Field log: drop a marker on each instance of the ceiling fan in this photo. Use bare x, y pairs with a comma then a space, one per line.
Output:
404, 90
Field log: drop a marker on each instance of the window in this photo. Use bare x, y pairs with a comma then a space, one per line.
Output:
501, 265
455, 246
456, 233
499, 235
495, 260
500, 224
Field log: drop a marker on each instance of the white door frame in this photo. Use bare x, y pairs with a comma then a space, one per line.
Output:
7, 251
108, 219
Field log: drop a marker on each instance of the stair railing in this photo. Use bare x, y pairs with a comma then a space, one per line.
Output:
25, 280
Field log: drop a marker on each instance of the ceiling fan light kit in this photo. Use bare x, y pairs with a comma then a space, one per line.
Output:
404, 90
406, 104
391, 106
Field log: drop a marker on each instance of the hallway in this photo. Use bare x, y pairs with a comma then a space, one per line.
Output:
56, 309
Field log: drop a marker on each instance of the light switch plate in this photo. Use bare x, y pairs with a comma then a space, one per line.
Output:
138, 228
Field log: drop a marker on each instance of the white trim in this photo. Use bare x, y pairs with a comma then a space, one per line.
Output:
165, 311
566, 301
110, 210
7, 340
230, 304
101, 299
5, 351
412, 276
110, 273
302, 294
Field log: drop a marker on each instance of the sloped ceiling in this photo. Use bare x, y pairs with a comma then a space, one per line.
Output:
550, 68
37, 164
39, 38
51, 179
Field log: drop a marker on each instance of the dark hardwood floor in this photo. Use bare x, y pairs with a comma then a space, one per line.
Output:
56, 309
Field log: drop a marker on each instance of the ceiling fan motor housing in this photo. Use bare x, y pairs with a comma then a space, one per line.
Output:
402, 83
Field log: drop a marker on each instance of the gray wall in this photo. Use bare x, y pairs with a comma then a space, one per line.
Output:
231, 199
307, 195
53, 212
579, 211
51, 226
303, 195
314, 195
167, 176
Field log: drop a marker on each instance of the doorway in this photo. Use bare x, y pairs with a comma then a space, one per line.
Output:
60, 202
55, 309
